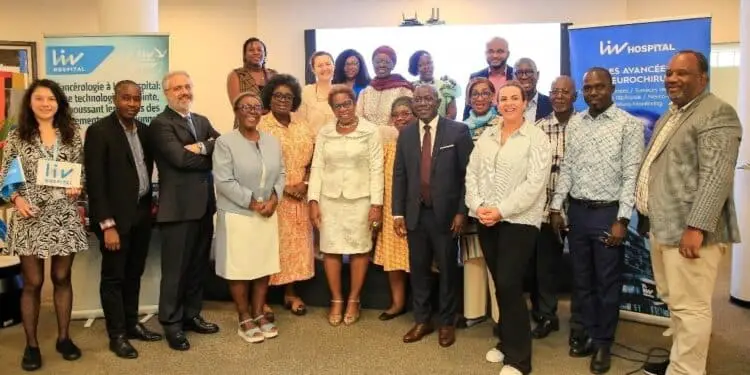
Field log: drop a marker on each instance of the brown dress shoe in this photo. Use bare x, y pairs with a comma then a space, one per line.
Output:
447, 336
417, 332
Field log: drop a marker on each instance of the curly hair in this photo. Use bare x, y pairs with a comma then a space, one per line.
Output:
339, 76
282, 80
341, 89
28, 126
414, 61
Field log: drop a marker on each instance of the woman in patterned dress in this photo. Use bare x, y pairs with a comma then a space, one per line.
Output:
315, 111
346, 198
253, 74
374, 102
392, 251
46, 224
420, 64
282, 96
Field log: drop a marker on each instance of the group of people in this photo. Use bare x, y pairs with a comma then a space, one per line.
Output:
349, 164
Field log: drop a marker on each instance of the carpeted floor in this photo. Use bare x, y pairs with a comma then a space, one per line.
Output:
308, 345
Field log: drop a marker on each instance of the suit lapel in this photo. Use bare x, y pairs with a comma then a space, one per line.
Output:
439, 135
685, 116
122, 138
182, 123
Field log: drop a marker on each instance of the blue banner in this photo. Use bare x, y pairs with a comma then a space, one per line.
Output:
637, 56
87, 68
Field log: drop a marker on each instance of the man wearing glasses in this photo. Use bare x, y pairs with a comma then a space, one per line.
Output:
182, 144
526, 73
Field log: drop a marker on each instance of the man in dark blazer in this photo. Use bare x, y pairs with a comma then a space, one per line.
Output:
498, 71
118, 180
182, 143
429, 208
538, 105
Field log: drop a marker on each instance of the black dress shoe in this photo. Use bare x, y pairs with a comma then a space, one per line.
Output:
601, 361
386, 316
69, 351
544, 328
32, 359
140, 332
200, 325
658, 368
122, 348
582, 348
178, 341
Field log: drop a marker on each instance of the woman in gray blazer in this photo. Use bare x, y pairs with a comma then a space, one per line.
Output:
249, 176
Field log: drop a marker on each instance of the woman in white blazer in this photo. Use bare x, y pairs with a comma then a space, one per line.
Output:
346, 198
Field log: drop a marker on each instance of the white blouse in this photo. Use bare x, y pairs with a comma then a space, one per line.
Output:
511, 177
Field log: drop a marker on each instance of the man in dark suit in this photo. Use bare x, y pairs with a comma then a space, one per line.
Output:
498, 71
183, 143
429, 208
539, 105
118, 179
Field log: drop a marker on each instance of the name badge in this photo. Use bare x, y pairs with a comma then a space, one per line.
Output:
58, 174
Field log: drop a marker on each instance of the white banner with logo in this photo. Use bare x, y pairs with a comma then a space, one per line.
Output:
87, 67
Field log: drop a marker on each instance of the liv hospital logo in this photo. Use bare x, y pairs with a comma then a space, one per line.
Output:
606, 47
66, 60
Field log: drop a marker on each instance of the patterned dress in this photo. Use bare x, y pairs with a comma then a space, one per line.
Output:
295, 228
391, 251
56, 229
248, 83
375, 106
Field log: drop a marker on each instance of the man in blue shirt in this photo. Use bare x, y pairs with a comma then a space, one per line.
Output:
603, 150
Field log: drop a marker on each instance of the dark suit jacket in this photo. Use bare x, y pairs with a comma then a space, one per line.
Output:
450, 154
185, 185
543, 106
484, 73
111, 175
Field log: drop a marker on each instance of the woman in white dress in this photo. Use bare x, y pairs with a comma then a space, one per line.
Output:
249, 176
314, 109
346, 198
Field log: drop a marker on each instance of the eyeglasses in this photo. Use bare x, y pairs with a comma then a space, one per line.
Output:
525, 73
283, 97
560, 92
352, 63
246, 108
343, 105
401, 114
483, 94
186, 87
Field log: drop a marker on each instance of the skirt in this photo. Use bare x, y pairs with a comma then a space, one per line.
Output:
247, 247
344, 226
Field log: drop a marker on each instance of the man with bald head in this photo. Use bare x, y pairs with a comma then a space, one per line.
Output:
498, 71
546, 261
429, 209
603, 148
685, 189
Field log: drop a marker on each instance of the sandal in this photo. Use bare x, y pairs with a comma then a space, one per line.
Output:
295, 305
268, 313
268, 329
350, 319
335, 319
252, 334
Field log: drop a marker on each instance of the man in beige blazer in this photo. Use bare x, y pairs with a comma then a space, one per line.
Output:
684, 191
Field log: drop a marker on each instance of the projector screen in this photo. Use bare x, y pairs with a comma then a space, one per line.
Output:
457, 50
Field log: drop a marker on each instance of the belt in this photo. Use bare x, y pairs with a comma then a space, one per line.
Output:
594, 204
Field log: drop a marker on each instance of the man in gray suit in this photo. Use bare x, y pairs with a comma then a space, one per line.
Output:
685, 190
182, 145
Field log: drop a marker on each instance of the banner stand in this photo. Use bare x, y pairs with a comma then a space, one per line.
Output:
636, 55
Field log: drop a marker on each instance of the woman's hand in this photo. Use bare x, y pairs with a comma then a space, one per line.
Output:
269, 207
489, 216
315, 214
375, 217
23, 207
73, 193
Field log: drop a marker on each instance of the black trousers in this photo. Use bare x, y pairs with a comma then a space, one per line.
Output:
185, 256
426, 243
544, 267
597, 270
121, 272
507, 251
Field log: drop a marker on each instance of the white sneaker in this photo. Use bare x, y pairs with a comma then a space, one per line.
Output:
494, 356
510, 370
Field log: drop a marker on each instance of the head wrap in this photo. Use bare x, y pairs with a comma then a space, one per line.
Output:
386, 50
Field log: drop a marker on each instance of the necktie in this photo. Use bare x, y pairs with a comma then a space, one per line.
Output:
191, 126
426, 166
